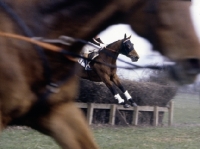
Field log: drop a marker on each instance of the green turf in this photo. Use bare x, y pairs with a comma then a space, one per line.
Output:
184, 134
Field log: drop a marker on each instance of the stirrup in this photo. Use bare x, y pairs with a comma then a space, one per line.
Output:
87, 67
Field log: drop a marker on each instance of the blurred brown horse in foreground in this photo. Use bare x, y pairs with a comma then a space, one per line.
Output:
28, 74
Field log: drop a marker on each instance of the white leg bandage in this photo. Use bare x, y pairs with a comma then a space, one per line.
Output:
128, 96
118, 97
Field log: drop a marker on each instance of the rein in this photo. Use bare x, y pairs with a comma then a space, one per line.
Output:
36, 42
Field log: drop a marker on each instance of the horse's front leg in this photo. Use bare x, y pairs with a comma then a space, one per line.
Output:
67, 125
116, 81
106, 79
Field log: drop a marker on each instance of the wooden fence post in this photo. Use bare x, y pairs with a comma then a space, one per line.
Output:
112, 114
155, 116
135, 116
90, 110
170, 113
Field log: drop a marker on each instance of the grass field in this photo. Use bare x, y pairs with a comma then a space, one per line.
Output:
187, 109
184, 134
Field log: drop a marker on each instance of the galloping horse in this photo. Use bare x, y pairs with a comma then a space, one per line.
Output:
106, 74
28, 74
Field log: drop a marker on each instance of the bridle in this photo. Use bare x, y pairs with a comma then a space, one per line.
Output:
126, 50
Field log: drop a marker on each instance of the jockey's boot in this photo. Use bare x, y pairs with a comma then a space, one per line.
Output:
132, 102
87, 66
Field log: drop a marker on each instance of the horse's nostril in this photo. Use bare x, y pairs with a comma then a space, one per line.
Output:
193, 65
134, 58
137, 57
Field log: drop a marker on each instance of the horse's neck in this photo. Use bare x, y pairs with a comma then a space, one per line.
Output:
111, 52
114, 47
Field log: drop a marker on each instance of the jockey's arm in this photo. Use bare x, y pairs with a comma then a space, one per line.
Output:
102, 46
90, 47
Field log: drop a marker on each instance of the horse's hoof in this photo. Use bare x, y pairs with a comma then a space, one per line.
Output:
125, 105
132, 103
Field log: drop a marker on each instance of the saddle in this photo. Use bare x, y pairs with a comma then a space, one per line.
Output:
93, 55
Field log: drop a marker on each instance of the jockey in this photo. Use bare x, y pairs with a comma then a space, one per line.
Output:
87, 49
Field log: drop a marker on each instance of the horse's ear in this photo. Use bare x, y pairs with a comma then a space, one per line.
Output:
124, 36
129, 37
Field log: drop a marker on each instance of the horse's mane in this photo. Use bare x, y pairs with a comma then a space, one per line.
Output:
114, 43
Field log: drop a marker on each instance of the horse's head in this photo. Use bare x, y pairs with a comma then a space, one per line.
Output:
128, 49
168, 26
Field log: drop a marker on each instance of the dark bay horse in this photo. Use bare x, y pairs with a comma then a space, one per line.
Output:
106, 74
24, 71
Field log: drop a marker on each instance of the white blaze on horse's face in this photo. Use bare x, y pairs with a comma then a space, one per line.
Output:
130, 51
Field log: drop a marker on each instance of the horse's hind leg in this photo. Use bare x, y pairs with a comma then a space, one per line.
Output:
115, 79
66, 124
